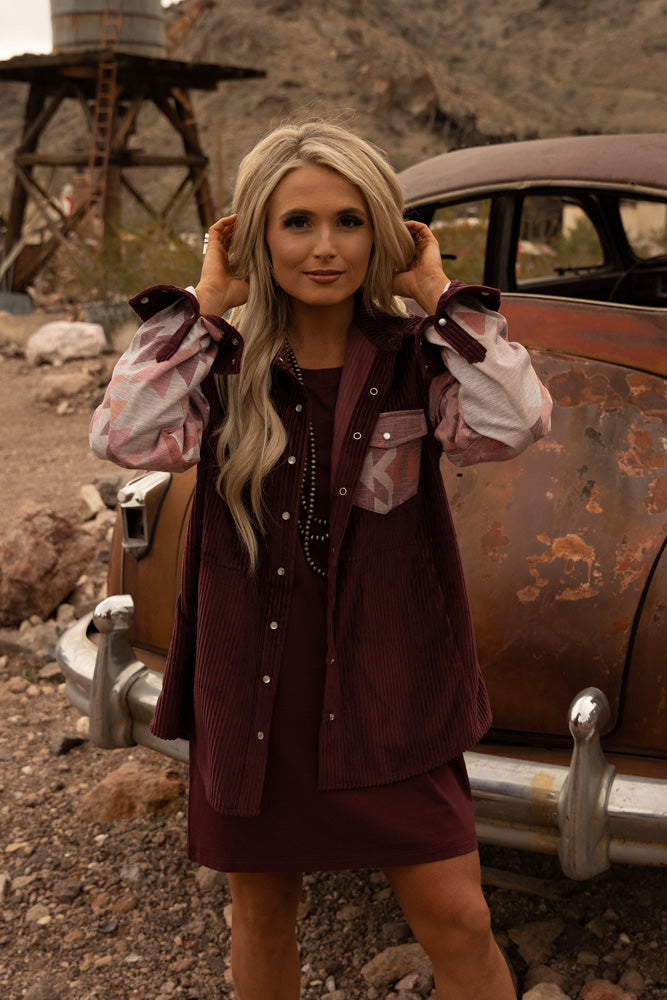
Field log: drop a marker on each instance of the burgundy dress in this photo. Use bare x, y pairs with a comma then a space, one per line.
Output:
425, 818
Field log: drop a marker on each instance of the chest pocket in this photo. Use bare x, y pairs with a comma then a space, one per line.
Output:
390, 474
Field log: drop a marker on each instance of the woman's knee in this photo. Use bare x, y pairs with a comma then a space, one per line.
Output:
445, 905
265, 905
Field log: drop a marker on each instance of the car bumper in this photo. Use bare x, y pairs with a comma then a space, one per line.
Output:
586, 813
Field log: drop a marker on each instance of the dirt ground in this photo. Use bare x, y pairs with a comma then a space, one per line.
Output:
44, 453
113, 909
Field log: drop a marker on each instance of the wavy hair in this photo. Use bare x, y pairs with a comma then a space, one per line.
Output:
252, 438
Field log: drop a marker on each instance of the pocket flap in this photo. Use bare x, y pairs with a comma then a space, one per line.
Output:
395, 427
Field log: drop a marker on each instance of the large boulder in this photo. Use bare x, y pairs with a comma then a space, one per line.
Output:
64, 341
42, 555
133, 789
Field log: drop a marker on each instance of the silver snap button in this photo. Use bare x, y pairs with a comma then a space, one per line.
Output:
291, 460
260, 736
386, 436
266, 679
373, 391
285, 515
342, 491
298, 407
357, 435
273, 626
331, 716
144, 300
280, 571
235, 342
442, 322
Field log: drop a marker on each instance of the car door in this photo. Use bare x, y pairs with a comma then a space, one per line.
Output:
560, 544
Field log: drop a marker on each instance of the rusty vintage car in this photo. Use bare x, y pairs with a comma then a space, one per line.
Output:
564, 547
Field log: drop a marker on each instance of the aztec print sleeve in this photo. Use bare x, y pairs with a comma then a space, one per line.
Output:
488, 405
154, 412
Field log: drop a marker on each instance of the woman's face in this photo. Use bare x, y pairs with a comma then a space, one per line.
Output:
320, 236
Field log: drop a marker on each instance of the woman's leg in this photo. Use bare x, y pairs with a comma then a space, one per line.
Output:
444, 905
265, 959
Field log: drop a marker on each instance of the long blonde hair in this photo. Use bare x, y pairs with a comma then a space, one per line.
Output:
252, 438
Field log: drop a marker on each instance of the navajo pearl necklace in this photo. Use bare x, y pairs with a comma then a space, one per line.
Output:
311, 528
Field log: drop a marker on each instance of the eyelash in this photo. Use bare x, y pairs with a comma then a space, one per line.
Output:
298, 223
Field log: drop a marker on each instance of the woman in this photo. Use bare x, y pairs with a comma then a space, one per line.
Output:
323, 663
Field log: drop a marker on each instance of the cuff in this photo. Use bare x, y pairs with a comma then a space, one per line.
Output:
463, 343
155, 299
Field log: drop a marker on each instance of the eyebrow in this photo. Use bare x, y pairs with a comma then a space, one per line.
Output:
341, 211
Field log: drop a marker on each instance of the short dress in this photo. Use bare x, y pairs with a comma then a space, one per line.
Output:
300, 828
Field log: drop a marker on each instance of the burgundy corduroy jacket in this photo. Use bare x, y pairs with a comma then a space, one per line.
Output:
403, 691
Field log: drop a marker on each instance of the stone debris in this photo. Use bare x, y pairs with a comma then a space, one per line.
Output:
62, 340
535, 940
395, 963
601, 989
42, 555
90, 502
545, 991
133, 790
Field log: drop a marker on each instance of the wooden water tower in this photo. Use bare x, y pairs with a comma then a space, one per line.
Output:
111, 58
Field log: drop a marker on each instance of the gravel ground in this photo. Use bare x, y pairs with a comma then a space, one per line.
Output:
112, 909
92, 909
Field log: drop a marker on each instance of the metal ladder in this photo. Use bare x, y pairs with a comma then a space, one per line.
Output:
105, 96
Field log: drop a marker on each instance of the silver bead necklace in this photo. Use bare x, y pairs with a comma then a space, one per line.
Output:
310, 527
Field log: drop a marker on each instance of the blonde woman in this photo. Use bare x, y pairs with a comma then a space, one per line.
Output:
322, 663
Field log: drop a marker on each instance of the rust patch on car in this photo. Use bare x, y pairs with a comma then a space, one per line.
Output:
572, 550
631, 567
641, 454
656, 501
575, 388
543, 797
493, 540
648, 394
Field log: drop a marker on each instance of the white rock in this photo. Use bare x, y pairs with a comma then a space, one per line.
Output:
545, 991
395, 963
90, 502
62, 341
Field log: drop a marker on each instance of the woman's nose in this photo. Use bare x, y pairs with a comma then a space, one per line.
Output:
324, 244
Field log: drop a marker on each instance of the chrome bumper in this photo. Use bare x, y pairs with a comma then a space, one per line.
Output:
586, 813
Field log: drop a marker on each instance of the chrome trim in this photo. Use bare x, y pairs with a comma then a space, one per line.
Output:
116, 670
140, 501
134, 688
586, 813
583, 804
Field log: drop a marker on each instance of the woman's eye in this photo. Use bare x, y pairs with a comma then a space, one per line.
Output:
351, 221
296, 222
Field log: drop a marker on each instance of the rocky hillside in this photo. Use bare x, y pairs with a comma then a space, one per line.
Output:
418, 76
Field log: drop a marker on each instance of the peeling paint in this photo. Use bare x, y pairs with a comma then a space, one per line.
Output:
649, 394
656, 501
631, 566
640, 455
528, 594
494, 539
575, 388
572, 549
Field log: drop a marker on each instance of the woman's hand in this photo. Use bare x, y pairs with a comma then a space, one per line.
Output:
217, 290
425, 280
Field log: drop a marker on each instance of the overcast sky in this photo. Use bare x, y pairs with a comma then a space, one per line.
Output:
25, 26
